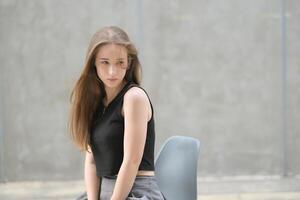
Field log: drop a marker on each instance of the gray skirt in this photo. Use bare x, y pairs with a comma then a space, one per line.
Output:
144, 188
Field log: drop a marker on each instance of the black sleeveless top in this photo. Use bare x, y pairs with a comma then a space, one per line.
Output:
107, 136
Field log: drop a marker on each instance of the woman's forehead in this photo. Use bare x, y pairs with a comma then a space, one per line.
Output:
112, 51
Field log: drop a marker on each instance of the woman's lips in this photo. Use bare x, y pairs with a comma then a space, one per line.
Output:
112, 79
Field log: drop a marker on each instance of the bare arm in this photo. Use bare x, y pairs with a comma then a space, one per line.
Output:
92, 181
136, 110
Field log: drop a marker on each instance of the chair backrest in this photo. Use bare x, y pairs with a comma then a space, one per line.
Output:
176, 168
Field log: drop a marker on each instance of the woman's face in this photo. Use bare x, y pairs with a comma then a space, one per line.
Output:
111, 63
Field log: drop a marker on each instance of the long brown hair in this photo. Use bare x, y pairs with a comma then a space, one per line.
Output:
89, 90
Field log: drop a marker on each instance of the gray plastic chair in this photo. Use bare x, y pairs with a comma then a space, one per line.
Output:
176, 168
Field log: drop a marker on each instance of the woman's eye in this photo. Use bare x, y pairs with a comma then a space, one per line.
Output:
104, 62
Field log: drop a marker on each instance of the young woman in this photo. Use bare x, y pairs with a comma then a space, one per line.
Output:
111, 119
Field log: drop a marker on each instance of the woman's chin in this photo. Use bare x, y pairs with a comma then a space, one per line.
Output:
112, 83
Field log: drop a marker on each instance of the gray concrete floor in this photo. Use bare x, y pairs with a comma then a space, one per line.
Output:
283, 189
246, 189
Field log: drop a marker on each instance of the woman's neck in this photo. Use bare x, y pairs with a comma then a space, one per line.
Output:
111, 93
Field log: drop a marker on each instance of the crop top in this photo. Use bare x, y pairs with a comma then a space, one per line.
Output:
107, 134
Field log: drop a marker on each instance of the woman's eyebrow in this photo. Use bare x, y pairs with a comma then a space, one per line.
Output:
109, 59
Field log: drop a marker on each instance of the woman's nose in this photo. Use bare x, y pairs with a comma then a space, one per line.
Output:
112, 69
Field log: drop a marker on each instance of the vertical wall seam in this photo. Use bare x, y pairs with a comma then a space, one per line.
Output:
1, 131
140, 28
284, 88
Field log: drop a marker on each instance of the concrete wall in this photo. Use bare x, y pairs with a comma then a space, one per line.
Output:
226, 72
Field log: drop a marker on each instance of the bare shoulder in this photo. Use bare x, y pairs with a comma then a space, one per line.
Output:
136, 94
137, 97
